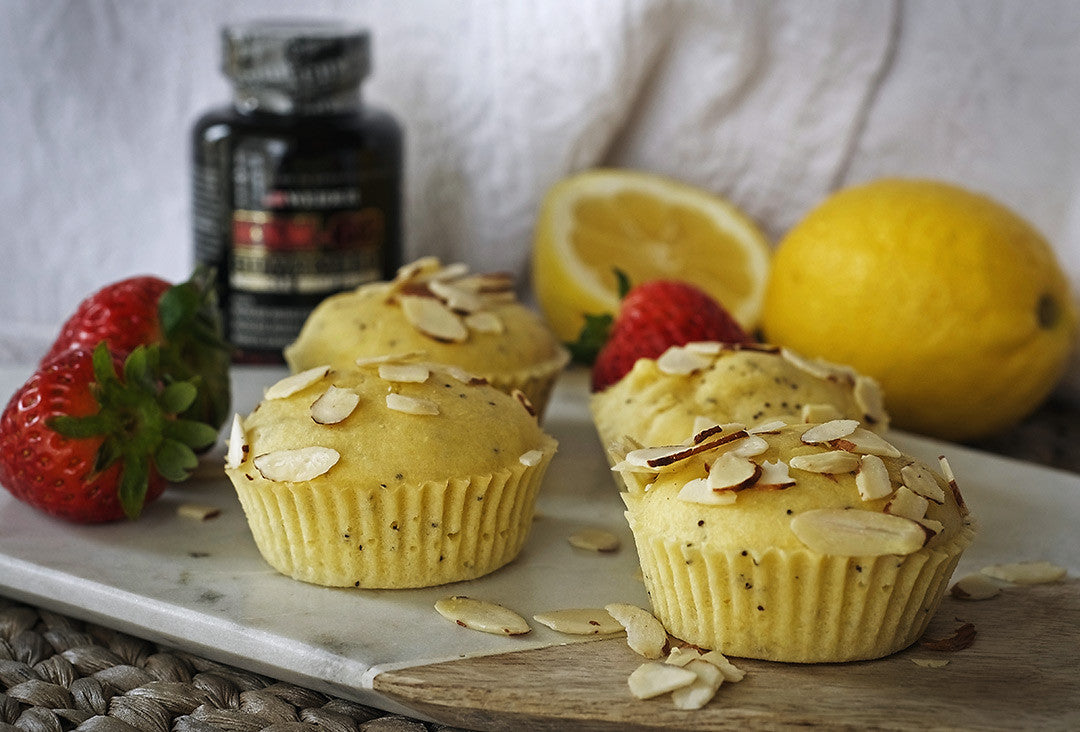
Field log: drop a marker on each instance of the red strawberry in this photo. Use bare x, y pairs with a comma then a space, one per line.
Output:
182, 319
79, 442
654, 316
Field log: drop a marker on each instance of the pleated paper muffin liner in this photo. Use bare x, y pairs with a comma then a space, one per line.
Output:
795, 606
536, 382
409, 536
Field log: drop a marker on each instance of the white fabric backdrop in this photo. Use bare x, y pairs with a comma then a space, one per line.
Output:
772, 104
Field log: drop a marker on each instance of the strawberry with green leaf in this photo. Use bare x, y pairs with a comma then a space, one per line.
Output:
93, 437
652, 317
182, 320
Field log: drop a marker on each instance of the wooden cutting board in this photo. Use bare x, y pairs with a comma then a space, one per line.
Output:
1021, 672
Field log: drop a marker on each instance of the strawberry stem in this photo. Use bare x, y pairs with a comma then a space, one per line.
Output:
138, 425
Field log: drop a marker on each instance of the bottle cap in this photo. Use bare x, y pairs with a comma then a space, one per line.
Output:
295, 66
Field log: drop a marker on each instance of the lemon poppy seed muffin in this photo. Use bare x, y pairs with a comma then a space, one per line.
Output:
388, 474
472, 321
659, 400
793, 543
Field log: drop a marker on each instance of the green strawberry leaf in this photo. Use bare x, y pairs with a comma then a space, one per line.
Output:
174, 460
594, 333
178, 396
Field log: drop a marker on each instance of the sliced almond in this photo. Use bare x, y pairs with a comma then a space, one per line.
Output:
335, 405
487, 617
819, 413
197, 511
922, 481
958, 640
698, 491
749, 446
829, 431
930, 662
411, 405
705, 348
580, 621
865, 442
296, 382
294, 466
644, 633
907, 503
869, 400
594, 540
424, 266
832, 461
975, 587
678, 361
731, 472
774, 476
682, 655
238, 447
523, 400
459, 374
701, 691
1026, 573
485, 322
405, 357
731, 673
449, 272
458, 299
768, 428
818, 369
950, 478
432, 318
857, 533
487, 282
654, 678
413, 373
706, 429
531, 458
934, 526
872, 479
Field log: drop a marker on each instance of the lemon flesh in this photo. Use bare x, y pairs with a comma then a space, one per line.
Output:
650, 228
954, 303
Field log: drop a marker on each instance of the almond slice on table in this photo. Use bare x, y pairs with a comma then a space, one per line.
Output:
832, 462
730, 671
921, 481
829, 431
700, 691
238, 447
1026, 573
293, 466
682, 655
413, 373
593, 539
481, 615
580, 621
334, 406
644, 633
296, 382
975, 587
872, 478
434, 319
411, 405
855, 533
654, 678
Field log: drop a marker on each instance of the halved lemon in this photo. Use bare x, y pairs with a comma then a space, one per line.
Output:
649, 227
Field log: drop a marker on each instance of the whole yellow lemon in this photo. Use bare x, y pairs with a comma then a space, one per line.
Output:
955, 303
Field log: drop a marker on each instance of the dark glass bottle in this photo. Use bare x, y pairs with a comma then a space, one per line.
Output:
297, 184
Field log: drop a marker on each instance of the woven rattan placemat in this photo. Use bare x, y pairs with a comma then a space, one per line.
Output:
58, 673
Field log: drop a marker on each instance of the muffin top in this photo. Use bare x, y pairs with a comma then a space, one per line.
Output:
657, 402
451, 316
383, 423
834, 488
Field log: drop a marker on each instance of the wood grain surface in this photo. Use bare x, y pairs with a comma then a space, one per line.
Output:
1021, 672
